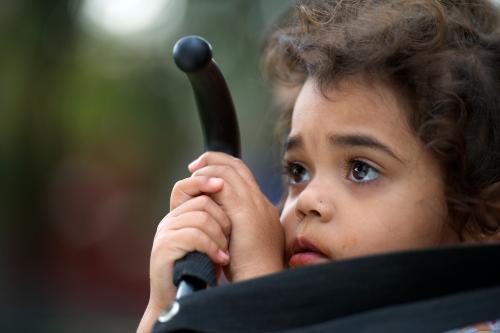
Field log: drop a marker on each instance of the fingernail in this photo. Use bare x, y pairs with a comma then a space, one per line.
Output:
193, 164
223, 256
215, 181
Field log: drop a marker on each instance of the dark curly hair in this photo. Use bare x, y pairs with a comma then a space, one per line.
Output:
442, 56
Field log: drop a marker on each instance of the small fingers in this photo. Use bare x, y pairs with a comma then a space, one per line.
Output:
198, 220
206, 204
218, 158
237, 190
189, 188
193, 239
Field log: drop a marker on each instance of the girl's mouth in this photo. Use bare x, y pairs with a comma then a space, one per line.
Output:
303, 253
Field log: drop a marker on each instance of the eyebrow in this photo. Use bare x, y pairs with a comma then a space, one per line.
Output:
359, 140
293, 142
345, 140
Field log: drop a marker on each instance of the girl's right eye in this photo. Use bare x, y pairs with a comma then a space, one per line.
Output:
296, 173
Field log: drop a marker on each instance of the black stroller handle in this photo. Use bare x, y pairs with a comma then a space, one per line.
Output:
193, 55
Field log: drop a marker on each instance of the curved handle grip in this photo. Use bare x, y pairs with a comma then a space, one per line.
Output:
193, 55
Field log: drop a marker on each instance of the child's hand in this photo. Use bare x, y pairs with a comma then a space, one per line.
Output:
257, 239
195, 223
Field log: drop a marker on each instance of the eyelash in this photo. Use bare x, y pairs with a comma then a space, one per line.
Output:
349, 165
290, 166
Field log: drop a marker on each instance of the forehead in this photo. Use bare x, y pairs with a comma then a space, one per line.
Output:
351, 107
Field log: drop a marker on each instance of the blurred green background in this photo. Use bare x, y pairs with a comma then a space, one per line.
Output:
96, 125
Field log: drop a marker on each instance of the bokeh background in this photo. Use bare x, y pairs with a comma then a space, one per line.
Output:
96, 125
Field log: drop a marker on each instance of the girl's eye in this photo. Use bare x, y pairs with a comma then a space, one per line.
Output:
296, 173
361, 172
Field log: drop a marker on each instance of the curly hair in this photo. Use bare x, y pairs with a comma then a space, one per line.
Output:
442, 56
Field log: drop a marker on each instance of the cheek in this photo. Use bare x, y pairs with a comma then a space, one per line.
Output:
411, 222
350, 244
423, 201
415, 221
430, 216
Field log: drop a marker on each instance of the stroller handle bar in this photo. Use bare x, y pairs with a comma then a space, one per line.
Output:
193, 56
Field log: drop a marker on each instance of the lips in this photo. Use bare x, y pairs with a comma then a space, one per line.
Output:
303, 252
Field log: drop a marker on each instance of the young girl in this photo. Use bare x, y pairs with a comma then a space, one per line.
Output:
391, 117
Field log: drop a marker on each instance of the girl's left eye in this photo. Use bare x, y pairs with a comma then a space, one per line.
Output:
361, 172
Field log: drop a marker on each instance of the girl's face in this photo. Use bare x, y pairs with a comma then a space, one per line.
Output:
359, 181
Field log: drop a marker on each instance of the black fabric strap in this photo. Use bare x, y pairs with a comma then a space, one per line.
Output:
313, 295
431, 316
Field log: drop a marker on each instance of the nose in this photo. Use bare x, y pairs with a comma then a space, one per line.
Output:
314, 201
